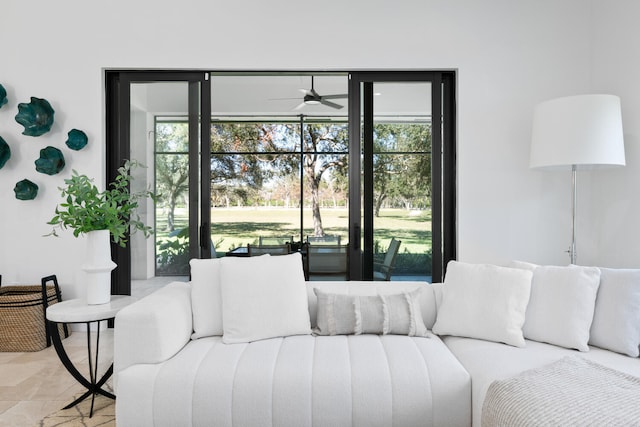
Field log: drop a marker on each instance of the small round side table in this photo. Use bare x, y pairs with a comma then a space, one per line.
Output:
78, 311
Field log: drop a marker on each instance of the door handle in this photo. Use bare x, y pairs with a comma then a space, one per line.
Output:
356, 237
204, 233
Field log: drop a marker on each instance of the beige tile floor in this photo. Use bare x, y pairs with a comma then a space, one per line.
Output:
34, 385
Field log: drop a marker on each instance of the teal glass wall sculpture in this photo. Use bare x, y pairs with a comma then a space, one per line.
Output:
36, 116
5, 152
3, 96
26, 190
51, 161
77, 139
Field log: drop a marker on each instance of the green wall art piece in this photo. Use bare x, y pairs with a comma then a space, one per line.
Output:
5, 152
77, 139
26, 190
36, 116
51, 161
3, 96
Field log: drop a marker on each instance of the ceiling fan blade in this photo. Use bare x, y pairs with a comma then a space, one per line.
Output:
336, 96
330, 104
299, 106
281, 99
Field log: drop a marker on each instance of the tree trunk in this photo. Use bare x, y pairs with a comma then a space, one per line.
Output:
314, 183
318, 231
171, 213
378, 205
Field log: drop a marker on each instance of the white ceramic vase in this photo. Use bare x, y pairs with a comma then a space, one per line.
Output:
98, 266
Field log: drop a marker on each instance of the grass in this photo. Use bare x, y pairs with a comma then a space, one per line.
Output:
233, 227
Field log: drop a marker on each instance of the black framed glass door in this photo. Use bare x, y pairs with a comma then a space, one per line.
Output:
387, 161
402, 211
133, 102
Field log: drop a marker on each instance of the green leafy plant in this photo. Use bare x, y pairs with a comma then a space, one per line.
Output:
87, 209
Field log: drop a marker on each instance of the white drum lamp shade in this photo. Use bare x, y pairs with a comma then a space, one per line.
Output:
583, 131
577, 132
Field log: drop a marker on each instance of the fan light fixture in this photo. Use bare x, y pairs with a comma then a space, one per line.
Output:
311, 100
577, 132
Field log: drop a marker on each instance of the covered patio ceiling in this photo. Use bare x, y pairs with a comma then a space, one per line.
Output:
244, 95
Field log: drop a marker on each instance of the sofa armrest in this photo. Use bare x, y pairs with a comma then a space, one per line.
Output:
154, 328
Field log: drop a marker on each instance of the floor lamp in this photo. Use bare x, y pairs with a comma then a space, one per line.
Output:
575, 133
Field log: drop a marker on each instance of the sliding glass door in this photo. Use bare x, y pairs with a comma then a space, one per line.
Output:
402, 141
363, 161
170, 151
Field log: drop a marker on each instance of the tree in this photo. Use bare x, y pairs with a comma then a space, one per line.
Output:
172, 165
402, 178
324, 145
238, 176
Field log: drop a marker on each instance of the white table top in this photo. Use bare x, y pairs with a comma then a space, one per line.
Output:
78, 311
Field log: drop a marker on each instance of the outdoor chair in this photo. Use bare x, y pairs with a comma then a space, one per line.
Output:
271, 241
328, 239
328, 260
382, 271
255, 250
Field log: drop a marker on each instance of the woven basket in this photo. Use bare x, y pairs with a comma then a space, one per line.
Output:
22, 321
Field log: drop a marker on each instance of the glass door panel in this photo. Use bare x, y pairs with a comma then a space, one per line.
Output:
251, 203
172, 182
396, 188
160, 137
278, 165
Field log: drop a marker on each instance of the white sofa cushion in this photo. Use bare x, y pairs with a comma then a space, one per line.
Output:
487, 362
206, 297
484, 301
264, 297
348, 380
616, 321
561, 307
398, 313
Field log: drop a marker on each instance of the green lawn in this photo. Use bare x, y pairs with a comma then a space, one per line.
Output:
233, 227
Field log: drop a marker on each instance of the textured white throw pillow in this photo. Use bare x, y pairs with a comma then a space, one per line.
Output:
484, 301
561, 308
206, 297
616, 321
264, 297
397, 314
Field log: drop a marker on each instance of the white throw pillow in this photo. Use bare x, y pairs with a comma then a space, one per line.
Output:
484, 301
616, 321
523, 265
397, 314
264, 297
561, 308
206, 297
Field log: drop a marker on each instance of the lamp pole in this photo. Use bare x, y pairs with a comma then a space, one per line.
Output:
574, 204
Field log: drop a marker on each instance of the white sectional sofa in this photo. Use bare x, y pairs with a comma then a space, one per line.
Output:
234, 348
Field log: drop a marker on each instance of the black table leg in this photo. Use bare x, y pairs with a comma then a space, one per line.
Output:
92, 385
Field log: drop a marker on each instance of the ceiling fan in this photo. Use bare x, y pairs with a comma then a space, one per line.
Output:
311, 97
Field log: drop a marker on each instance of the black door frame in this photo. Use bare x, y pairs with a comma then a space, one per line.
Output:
443, 171
118, 149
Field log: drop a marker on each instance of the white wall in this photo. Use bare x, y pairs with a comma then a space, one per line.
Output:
616, 69
509, 56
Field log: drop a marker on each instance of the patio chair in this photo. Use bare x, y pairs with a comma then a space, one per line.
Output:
271, 241
255, 250
327, 239
328, 260
382, 271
